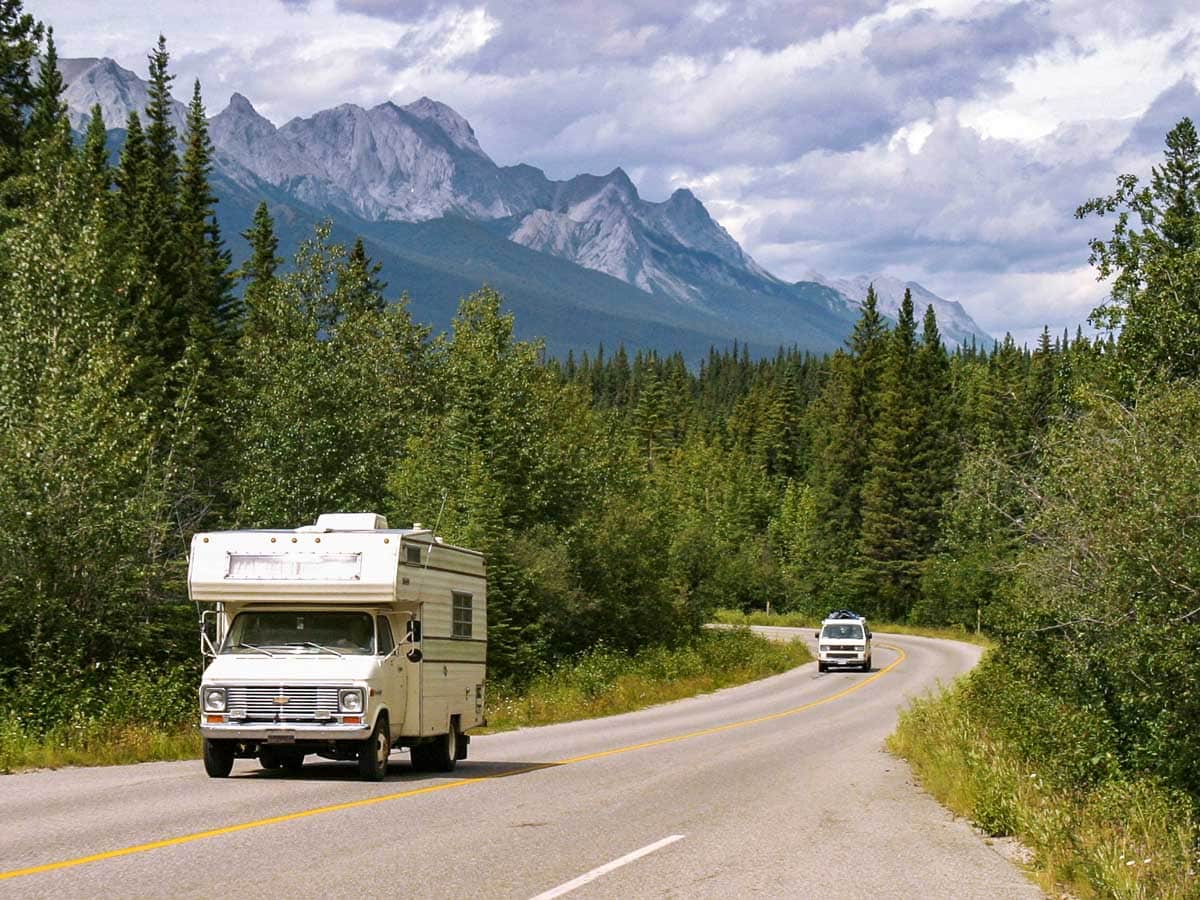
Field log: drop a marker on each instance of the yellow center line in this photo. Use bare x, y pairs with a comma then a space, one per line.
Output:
445, 786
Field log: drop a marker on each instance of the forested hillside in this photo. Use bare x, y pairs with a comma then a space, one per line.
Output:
1045, 495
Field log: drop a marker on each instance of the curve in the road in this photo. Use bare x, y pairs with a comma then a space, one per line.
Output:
429, 789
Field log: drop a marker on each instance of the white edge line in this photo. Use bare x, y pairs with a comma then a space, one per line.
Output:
595, 873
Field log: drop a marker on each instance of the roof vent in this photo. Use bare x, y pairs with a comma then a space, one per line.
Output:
351, 522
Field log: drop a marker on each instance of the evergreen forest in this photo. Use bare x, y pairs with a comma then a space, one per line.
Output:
1047, 496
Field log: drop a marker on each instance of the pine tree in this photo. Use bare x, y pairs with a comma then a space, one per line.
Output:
841, 423
937, 451
888, 547
1153, 259
130, 178
205, 280
1175, 187
19, 37
1042, 396
160, 129
94, 167
364, 287
259, 269
49, 111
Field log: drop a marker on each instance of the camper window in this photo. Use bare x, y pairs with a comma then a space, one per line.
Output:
462, 615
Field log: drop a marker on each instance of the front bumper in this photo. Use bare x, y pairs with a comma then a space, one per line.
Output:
284, 733
843, 657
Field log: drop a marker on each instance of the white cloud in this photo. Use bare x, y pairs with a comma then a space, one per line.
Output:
1093, 76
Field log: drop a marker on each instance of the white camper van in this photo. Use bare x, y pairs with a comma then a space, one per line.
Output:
344, 639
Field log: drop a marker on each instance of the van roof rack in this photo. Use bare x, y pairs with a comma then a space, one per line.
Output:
844, 614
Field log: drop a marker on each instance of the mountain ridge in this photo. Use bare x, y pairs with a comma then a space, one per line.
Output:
374, 170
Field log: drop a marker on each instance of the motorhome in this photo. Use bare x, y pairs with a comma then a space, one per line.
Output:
343, 639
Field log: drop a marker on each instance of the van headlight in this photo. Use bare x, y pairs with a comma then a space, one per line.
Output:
350, 700
213, 699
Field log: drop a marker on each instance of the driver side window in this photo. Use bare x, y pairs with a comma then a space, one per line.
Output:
386, 644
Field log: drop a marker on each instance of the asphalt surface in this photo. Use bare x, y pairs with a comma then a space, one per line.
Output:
779, 788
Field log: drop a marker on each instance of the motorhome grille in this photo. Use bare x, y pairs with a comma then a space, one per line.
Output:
287, 703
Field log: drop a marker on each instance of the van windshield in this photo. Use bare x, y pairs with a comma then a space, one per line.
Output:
843, 631
346, 633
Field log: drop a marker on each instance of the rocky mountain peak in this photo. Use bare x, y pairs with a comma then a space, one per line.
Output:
457, 128
685, 199
240, 105
241, 115
118, 91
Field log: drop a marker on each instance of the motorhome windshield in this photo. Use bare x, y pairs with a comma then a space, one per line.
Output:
843, 632
272, 632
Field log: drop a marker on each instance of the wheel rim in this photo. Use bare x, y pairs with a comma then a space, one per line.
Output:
381, 751
452, 743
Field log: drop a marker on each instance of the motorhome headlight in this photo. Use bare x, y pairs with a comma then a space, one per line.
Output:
214, 699
350, 700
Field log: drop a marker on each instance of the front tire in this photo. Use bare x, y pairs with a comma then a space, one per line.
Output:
867, 665
218, 758
374, 751
269, 759
822, 667
293, 762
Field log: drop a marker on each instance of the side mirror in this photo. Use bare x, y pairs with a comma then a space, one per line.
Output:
414, 655
817, 635
413, 631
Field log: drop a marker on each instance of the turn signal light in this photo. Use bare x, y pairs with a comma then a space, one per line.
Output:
215, 720
352, 720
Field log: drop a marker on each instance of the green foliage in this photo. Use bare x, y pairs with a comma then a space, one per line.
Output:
19, 37
49, 111
87, 480
1153, 259
324, 387
1107, 589
1105, 834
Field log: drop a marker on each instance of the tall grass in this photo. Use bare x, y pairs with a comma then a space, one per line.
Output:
1122, 837
604, 682
133, 715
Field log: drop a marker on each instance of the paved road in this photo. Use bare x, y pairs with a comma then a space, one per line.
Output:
779, 788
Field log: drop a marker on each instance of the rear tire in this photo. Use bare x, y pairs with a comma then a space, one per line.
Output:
446, 754
373, 752
218, 758
439, 754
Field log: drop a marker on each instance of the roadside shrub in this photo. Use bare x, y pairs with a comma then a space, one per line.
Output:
1108, 836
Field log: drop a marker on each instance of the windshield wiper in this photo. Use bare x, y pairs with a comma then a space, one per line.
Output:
318, 646
251, 647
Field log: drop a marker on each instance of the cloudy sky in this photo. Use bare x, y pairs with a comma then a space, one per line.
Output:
947, 142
